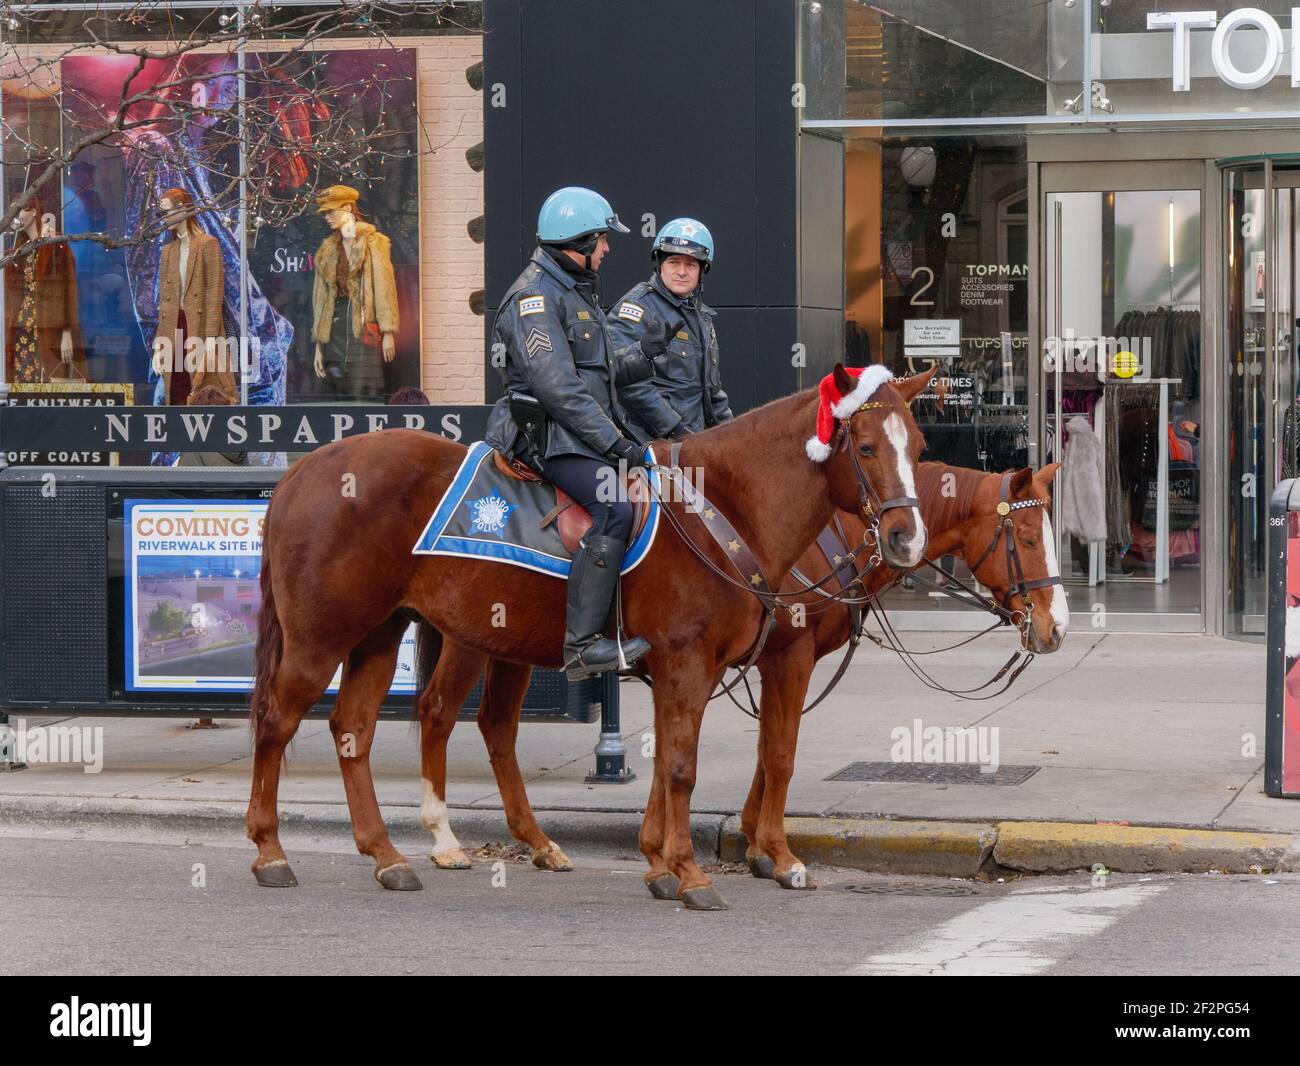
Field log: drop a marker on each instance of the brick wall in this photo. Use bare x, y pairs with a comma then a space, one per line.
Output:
451, 265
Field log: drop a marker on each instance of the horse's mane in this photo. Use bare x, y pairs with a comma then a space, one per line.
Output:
946, 508
744, 425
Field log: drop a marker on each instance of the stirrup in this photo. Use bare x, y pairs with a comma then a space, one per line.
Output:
576, 668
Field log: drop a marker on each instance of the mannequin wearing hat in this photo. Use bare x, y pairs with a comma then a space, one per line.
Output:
191, 288
41, 325
354, 299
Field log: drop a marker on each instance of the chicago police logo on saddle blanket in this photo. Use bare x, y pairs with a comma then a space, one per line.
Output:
486, 515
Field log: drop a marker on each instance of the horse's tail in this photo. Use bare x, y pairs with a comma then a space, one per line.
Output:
270, 636
428, 647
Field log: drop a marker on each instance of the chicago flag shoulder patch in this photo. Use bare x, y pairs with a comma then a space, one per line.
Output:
632, 312
532, 305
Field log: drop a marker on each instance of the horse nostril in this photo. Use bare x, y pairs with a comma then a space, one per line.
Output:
897, 542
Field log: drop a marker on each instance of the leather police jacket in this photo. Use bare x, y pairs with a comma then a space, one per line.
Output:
551, 341
686, 390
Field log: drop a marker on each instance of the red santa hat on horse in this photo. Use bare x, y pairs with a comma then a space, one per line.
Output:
833, 405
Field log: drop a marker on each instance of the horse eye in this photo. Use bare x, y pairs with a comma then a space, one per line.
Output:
867, 450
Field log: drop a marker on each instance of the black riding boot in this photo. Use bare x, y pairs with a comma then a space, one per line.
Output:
593, 577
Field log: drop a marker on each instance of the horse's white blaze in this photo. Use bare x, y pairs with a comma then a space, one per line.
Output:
1060, 607
433, 816
896, 432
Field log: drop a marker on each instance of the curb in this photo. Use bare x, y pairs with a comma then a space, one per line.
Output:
1059, 847
889, 846
942, 849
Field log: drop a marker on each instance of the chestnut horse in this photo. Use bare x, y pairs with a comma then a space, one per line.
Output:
960, 509
339, 583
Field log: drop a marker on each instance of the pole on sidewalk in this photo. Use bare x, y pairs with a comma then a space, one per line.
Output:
8, 746
611, 752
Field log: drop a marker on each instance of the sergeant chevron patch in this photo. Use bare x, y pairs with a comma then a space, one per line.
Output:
537, 341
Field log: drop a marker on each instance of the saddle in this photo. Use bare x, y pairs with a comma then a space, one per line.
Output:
571, 519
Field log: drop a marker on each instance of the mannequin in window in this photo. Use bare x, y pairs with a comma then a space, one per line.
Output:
191, 286
354, 299
41, 325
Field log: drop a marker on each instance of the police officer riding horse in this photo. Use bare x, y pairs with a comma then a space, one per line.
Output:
685, 395
560, 414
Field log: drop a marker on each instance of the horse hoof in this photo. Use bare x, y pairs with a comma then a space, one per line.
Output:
275, 874
398, 878
455, 859
797, 878
552, 858
705, 898
761, 866
664, 886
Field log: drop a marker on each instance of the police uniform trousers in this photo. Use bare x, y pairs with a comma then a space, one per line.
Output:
580, 477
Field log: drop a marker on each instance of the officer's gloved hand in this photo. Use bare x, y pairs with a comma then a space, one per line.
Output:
628, 451
654, 336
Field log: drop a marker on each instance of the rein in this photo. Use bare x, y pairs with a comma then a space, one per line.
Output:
970, 597
1022, 619
873, 507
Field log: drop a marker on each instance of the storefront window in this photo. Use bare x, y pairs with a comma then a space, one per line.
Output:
903, 60
937, 270
330, 157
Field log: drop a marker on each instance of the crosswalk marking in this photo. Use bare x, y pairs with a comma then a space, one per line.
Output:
1022, 933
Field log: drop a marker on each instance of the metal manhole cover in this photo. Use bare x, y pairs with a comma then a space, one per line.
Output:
910, 888
934, 773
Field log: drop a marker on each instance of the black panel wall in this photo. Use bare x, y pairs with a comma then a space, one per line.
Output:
672, 108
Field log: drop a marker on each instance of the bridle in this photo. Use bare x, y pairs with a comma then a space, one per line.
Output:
1022, 618
872, 506
1005, 533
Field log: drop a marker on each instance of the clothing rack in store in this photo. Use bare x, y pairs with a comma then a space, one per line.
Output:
1097, 550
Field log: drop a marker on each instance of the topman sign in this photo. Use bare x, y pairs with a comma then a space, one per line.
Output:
1266, 30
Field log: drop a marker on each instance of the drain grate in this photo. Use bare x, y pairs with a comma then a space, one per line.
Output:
910, 888
934, 773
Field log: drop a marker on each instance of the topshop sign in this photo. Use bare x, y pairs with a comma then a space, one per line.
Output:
1183, 22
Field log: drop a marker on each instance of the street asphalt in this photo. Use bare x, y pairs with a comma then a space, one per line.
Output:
100, 907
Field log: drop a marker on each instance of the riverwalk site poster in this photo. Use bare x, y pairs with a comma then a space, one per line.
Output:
193, 591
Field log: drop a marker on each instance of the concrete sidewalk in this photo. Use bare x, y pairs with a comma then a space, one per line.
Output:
1145, 731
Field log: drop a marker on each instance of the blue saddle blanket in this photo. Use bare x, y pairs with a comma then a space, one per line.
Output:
486, 515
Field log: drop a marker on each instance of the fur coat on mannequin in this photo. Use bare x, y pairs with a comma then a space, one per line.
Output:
1083, 502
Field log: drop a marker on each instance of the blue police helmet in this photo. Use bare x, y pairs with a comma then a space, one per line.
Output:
684, 236
575, 212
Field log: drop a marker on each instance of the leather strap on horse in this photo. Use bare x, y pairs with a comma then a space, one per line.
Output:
724, 534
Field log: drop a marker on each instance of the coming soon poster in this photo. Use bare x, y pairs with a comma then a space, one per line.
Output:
193, 591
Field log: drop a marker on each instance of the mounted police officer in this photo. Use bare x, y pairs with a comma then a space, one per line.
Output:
560, 413
685, 395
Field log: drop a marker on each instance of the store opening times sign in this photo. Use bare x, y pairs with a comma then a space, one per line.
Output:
1266, 28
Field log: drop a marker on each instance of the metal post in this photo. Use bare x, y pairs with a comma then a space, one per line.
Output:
611, 752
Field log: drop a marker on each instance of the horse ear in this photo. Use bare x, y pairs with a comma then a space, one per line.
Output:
910, 388
1045, 476
844, 383
1021, 482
